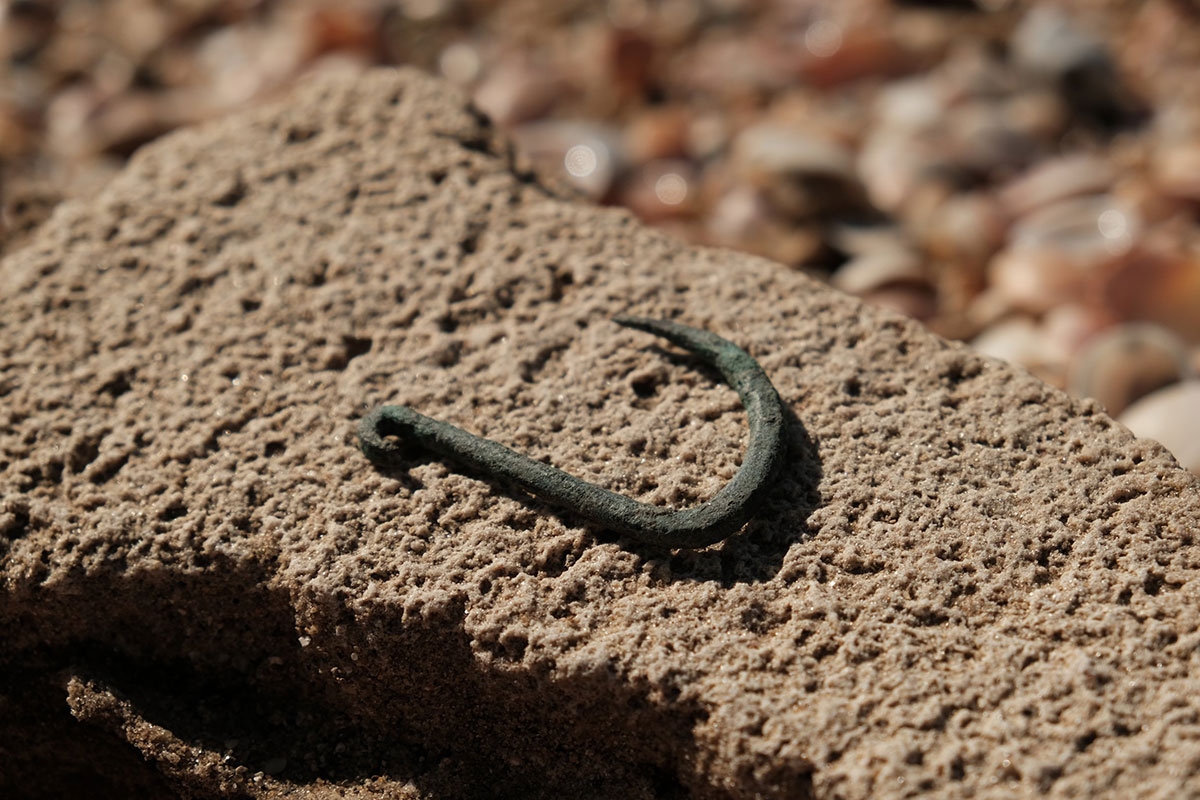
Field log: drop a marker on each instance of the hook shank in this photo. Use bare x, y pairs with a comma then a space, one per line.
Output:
698, 526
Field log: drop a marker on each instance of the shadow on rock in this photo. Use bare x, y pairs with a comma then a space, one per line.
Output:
226, 700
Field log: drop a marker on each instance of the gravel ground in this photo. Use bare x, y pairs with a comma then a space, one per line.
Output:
1022, 176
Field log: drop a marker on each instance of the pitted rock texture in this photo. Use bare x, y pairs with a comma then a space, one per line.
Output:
964, 584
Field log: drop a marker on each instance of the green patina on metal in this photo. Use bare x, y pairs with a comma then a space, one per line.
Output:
699, 526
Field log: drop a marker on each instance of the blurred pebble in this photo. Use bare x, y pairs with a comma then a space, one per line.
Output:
515, 91
1056, 179
588, 155
628, 13
661, 190
348, 28
1034, 279
1176, 120
15, 137
742, 217
960, 237
968, 229
796, 246
113, 73
82, 124
1127, 362
707, 136
1169, 417
878, 270
629, 57
973, 71
460, 63
893, 278
804, 176
739, 214
423, 10
129, 120
893, 165
661, 133
1047, 40
923, 207
26, 29
833, 55
768, 149
721, 65
1138, 191
1017, 340
1037, 113
983, 138
67, 121
1053, 252
239, 63
1176, 169
889, 168
912, 104
861, 240
144, 28
1085, 227
986, 309
1069, 325
1158, 281
1149, 48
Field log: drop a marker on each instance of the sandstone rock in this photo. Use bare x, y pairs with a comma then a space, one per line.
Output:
965, 583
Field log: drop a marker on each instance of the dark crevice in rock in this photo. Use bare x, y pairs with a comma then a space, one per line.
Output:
84, 451
172, 512
118, 384
48, 755
14, 520
234, 194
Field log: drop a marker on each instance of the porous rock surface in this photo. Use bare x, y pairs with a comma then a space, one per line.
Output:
964, 584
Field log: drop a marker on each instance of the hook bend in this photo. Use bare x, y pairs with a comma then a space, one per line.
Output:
698, 526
